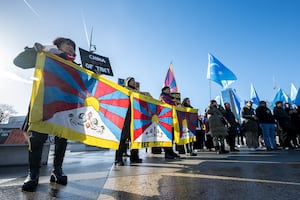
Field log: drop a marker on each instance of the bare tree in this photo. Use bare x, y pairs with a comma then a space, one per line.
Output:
6, 111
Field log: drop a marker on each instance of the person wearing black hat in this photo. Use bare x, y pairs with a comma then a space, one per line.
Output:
125, 135
65, 49
284, 125
267, 124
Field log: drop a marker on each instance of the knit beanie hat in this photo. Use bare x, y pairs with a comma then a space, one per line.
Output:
127, 80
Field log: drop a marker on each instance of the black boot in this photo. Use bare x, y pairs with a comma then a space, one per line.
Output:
57, 174
169, 153
223, 151
156, 150
34, 157
180, 149
31, 182
119, 158
134, 156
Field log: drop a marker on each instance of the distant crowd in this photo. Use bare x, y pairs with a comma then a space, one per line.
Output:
259, 129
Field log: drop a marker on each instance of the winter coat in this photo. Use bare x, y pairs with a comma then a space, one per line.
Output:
250, 124
282, 118
216, 124
264, 115
232, 130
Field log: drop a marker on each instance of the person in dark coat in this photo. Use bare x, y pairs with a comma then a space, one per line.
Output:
65, 49
217, 126
232, 127
125, 135
294, 115
267, 124
166, 97
189, 146
284, 124
250, 126
295, 118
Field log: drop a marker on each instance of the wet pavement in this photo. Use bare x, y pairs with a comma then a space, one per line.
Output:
92, 175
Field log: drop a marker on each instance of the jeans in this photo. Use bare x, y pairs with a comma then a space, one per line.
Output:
268, 131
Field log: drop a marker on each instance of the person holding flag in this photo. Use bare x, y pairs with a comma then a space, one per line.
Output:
65, 49
167, 98
134, 153
186, 102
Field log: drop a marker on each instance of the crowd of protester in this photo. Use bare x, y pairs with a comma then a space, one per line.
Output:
218, 129
258, 129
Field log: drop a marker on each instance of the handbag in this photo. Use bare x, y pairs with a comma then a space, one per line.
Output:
26, 59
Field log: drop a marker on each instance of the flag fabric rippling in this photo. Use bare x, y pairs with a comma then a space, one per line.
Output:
254, 96
151, 122
185, 123
281, 95
170, 79
219, 73
72, 102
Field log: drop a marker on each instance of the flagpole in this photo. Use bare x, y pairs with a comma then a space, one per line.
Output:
232, 103
209, 85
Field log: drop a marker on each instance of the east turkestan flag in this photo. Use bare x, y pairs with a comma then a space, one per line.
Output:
219, 73
254, 96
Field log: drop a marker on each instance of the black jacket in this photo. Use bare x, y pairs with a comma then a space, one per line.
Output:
264, 115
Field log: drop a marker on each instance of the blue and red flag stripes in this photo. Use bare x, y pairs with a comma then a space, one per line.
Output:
151, 123
76, 104
170, 79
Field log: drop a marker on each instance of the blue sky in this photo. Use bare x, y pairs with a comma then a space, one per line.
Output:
257, 39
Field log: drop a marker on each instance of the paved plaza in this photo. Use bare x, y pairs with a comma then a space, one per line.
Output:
92, 175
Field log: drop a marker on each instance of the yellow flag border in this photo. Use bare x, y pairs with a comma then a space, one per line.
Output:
177, 138
138, 145
36, 104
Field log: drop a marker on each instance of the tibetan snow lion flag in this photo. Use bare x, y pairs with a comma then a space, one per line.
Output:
74, 103
170, 80
185, 123
151, 122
